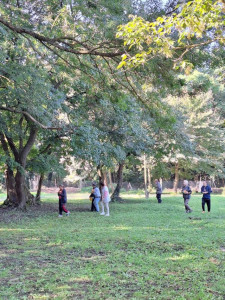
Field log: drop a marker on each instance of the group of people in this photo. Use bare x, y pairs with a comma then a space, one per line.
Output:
186, 191
95, 197
104, 198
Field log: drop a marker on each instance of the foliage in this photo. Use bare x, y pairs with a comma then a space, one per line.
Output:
194, 24
202, 105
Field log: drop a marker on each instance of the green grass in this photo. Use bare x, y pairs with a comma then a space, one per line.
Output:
144, 250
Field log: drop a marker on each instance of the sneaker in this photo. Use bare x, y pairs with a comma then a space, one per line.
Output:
203, 211
68, 213
60, 216
106, 215
190, 211
102, 214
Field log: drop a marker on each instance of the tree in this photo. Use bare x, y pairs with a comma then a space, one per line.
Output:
29, 104
189, 27
202, 106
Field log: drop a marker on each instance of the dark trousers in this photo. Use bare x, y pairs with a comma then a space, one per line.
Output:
62, 207
207, 202
158, 196
93, 208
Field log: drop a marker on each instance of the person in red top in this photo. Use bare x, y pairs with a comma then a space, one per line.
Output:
62, 201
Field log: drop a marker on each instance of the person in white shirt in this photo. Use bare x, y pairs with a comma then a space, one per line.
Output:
105, 200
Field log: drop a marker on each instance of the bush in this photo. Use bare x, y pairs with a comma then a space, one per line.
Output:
217, 190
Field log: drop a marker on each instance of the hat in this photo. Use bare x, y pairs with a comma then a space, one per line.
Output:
94, 184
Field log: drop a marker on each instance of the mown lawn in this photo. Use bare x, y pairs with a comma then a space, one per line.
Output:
144, 250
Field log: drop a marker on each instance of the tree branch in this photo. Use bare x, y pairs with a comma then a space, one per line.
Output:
13, 147
4, 144
60, 43
32, 119
29, 144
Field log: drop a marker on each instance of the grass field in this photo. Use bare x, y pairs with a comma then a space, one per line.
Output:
144, 250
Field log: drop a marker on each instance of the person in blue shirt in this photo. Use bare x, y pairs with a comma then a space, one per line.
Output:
186, 191
206, 199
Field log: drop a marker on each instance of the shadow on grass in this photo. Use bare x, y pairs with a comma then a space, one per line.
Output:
9, 215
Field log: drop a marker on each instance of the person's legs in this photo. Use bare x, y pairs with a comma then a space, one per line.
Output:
158, 196
102, 206
93, 206
208, 202
96, 204
187, 207
107, 208
60, 208
65, 209
203, 205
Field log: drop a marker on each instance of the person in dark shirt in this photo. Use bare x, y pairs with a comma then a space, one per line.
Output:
206, 196
186, 190
62, 201
92, 198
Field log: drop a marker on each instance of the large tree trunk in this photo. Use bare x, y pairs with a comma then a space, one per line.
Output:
17, 192
20, 189
102, 176
176, 180
116, 193
12, 199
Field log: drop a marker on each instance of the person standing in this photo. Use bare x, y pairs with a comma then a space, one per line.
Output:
62, 201
105, 200
158, 190
206, 196
186, 190
97, 195
92, 198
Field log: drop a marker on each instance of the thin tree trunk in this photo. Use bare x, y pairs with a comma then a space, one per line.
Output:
116, 193
38, 194
176, 180
110, 182
149, 180
145, 178
49, 179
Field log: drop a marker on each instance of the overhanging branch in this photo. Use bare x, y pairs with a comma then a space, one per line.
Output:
61, 43
32, 119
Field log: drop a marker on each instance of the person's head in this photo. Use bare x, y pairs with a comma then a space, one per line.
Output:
94, 185
60, 187
102, 184
185, 182
156, 181
205, 183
